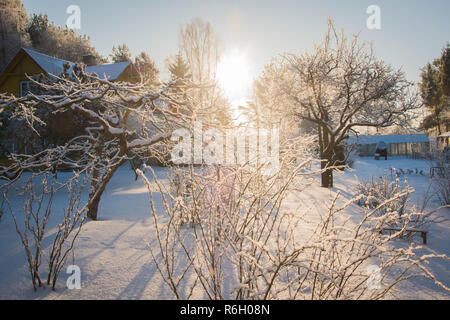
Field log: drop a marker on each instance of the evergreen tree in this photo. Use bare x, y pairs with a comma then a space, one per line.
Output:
445, 70
178, 67
37, 26
147, 68
121, 54
435, 91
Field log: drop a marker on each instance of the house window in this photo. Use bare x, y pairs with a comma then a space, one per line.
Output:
27, 86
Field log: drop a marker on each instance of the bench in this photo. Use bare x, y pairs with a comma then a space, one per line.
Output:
423, 233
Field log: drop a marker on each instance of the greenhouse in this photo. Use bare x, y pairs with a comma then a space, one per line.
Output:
398, 145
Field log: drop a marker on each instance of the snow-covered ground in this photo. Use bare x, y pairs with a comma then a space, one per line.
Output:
116, 264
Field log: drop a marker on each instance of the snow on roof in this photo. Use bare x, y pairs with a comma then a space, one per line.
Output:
111, 71
393, 138
49, 64
55, 66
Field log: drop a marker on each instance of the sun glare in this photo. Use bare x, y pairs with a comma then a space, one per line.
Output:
234, 77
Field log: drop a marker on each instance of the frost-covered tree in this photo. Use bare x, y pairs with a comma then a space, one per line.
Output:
201, 48
13, 35
340, 86
124, 121
143, 63
121, 54
147, 68
62, 43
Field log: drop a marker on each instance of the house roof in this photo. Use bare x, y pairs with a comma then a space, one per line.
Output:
392, 138
55, 66
49, 64
109, 71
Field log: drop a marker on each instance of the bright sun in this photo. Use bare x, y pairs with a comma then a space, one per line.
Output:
234, 77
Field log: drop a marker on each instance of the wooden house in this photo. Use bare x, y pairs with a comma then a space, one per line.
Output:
31, 63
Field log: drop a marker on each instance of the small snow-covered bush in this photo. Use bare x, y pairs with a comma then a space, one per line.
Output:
378, 190
441, 184
38, 195
351, 153
378, 195
438, 163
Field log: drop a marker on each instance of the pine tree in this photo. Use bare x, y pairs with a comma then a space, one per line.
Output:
147, 68
121, 54
178, 67
445, 70
435, 90
37, 25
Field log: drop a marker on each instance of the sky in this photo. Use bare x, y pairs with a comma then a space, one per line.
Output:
412, 32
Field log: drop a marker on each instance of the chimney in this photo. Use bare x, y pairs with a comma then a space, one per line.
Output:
89, 60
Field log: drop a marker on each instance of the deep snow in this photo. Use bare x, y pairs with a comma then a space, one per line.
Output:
116, 264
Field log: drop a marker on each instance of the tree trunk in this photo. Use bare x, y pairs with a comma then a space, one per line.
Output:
327, 174
438, 121
97, 189
93, 208
326, 157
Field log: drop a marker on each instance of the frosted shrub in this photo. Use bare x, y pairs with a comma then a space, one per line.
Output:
252, 239
440, 176
351, 153
36, 211
441, 185
377, 191
377, 195
38, 194
68, 229
216, 188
